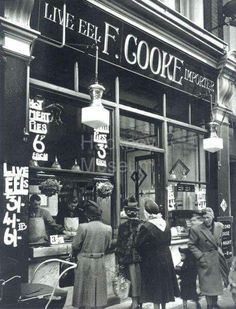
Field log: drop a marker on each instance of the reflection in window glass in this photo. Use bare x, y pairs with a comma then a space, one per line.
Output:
177, 106
183, 155
187, 177
69, 140
142, 93
139, 131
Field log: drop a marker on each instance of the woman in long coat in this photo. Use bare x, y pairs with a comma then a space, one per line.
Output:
89, 245
158, 279
204, 243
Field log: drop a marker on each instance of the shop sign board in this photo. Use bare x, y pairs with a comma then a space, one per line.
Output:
181, 187
101, 146
124, 45
15, 197
38, 122
227, 236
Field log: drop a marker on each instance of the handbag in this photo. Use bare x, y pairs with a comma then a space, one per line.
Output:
121, 285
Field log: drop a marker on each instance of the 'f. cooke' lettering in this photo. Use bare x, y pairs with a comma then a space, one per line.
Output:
158, 61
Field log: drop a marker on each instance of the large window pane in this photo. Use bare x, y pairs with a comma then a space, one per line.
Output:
135, 129
183, 154
68, 139
139, 92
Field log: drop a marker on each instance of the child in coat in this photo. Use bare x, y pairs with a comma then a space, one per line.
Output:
232, 279
187, 273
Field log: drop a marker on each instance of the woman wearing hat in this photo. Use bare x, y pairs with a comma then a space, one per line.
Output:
89, 245
204, 243
128, 257
158, 279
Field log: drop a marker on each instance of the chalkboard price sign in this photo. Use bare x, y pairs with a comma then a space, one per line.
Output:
226, 236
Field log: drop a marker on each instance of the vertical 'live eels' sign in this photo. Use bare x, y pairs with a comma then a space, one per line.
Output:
16, 187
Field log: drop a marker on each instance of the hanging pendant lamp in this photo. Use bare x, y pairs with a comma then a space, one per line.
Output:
214, 142
96, 115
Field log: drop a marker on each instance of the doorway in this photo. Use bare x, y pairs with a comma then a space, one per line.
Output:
142, 176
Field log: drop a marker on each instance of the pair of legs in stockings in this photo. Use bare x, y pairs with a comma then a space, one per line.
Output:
212, 302
135, 278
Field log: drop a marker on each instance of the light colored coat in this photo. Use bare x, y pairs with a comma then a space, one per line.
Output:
205, 246
90, 286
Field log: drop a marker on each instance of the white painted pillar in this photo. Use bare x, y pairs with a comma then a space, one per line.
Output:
169, 3
196, 12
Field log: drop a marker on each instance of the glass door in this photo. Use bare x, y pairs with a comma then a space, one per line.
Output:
149, 178
142, 176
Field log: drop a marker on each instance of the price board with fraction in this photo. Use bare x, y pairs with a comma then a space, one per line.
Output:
227, 236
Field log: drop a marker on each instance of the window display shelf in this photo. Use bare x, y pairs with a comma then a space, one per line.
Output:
46, 172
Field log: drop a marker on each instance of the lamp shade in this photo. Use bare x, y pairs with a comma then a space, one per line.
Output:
213, 143
95, 115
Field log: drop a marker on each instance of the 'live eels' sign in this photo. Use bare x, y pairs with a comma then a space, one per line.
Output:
126, 46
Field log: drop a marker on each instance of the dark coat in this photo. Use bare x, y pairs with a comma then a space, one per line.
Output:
90, 287
204, 245
125, 247
158, 278
188, 276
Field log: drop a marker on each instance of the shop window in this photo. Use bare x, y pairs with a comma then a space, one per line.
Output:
184, 147
177, 106
71, 69
187, 176
200, 113
68, 139
141, 93
138, 130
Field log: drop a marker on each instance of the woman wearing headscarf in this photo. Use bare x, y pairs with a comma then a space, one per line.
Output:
89, 245
204, 243
158, 279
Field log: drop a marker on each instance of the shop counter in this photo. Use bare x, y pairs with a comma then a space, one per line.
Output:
49, 272
52, 250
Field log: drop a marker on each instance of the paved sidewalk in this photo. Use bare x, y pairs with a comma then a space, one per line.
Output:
225, 302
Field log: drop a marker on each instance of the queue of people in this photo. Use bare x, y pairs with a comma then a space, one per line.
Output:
143, 254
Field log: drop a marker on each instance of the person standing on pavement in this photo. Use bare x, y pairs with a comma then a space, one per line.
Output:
187, 273
128, 257
204, 243
89, 245
158, 279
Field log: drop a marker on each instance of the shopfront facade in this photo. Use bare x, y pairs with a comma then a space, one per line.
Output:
161, 87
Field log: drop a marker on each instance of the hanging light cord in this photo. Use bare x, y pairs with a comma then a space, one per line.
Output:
96, 65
